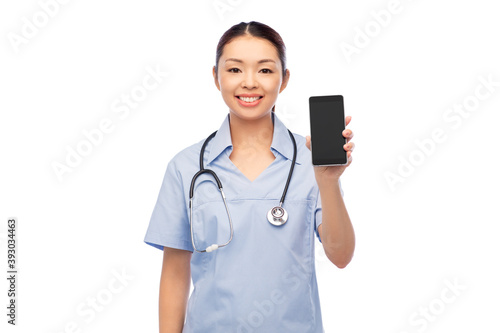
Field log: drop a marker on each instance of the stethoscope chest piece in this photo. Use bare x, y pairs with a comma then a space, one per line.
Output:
277, 216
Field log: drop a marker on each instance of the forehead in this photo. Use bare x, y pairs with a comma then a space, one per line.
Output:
249, 49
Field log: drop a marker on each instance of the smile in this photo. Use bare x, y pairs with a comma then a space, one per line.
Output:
249, 101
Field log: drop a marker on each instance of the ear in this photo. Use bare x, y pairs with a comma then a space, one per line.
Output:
214, 73
285, 81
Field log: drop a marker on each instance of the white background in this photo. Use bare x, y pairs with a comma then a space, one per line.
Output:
440, 223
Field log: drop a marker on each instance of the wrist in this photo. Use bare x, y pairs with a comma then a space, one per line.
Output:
328, 183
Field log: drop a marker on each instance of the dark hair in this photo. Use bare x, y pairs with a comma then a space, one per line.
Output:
255, 29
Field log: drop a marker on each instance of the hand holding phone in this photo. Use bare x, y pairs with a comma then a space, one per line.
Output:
327, 120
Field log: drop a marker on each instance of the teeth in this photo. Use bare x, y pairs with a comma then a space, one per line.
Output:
249, 99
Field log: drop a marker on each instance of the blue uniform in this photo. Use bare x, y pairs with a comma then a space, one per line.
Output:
264, 280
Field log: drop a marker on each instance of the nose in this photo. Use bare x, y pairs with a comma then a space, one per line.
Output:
249, 80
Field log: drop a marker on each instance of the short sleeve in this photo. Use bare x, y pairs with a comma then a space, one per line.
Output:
169, 223
318, 213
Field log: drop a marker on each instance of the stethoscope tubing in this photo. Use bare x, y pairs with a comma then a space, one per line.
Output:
275, 220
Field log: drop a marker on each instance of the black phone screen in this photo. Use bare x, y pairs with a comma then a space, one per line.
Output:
326, 115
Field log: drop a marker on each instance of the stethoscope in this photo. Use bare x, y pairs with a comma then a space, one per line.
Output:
277, 215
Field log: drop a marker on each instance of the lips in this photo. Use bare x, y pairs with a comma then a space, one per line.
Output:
249, 99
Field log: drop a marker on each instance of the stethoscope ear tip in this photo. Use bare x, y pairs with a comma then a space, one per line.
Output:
212, 247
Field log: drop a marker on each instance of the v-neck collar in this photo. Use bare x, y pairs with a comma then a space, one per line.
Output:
241, 174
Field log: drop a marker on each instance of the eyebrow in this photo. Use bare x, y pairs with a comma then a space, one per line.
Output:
259, 62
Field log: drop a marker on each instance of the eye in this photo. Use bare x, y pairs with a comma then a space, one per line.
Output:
231, 70
268, 70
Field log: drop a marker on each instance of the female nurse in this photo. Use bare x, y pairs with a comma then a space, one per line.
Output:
264, 279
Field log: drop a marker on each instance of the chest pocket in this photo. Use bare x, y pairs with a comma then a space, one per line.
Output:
253, 236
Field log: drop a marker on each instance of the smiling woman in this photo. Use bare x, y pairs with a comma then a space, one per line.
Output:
263, 279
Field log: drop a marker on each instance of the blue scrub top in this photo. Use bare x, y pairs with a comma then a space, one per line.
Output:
264, 280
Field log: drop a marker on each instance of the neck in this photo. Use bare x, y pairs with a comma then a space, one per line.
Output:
256, 133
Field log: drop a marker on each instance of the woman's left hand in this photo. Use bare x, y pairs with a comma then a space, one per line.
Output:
332, 172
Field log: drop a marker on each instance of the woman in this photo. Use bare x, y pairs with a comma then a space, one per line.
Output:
264, 279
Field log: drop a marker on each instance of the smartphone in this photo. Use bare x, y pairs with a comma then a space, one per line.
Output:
326, 116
